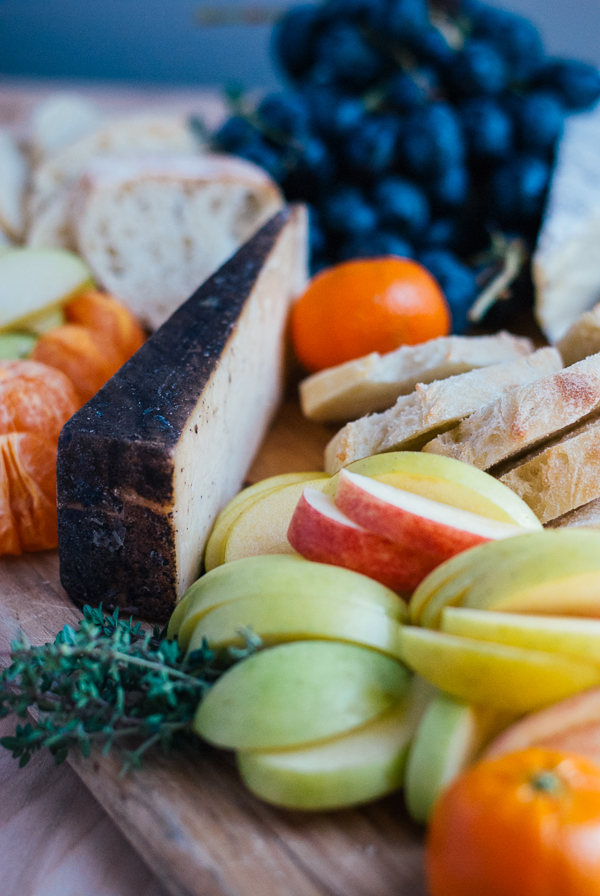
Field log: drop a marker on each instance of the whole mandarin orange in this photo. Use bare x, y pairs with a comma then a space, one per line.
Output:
367, 305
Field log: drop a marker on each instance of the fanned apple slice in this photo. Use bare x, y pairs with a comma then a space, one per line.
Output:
321, 532
36, 282
413, 521
575, 637
495, 675
301, 693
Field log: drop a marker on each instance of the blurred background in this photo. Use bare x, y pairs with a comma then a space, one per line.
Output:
189, 41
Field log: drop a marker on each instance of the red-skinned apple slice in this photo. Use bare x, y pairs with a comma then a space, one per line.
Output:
320, 531
414, 522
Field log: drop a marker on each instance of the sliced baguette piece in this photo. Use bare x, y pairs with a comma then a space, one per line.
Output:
145, 467
153, 227
587, 517
59, 120
51, 225
524, 417
561, 476
13, 180
373, 383
582, 339
433, 408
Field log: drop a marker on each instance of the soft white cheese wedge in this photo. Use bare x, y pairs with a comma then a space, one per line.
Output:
566, 263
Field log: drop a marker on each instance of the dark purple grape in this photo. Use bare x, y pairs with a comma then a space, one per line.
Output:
293, 40
262, 153
402, 206
488, 128
402, 20
479, 68
431, 46
234, 134
540, 120
519, 189
406, 91
284, 114
375, 245
371, 147
344, 56
347, 211
451, 188
363, 11
514, 37
576, 83
457, 281
312, 170
433, 140
441, 233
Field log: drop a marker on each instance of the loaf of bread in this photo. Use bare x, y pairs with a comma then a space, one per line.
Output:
13, 178
433, 408
582, 339
525, 417
59, 120
152, 228
562, 476
374, 383
587, 517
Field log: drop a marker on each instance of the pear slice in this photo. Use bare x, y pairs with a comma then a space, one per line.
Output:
297, 694
449, 481
277, 619
575, 637
36, 282
14, 346
354, 768
262, 527
496, 675
285, 577
450, 736
214, 553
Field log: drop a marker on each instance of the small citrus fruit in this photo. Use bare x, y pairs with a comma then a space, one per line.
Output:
367, 305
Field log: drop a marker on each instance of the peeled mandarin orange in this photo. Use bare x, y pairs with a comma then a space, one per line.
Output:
367, 305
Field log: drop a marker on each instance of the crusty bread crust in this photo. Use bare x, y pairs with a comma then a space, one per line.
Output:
582, 339
373, 383
587, 517
433, 408
562, 476
524, 417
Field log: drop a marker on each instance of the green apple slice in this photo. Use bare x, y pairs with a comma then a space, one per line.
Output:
36, 282
512, 678
297, 694
277, 619
578, 638
14, 346
447, 480
354, 768
448, 739
262, 527
554, 572
285, 578
214, 553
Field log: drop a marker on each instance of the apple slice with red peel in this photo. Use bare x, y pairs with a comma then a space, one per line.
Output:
414, 522
320, 531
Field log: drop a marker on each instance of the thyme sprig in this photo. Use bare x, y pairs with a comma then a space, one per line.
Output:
108, 684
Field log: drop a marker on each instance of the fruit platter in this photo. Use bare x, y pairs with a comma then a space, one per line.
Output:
300, 467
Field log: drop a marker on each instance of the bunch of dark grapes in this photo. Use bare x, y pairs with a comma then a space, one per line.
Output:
413, 129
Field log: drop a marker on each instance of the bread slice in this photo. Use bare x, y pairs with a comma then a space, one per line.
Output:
373, 383
51, 226
587, 517
153, 228
582, 339
59, 120
524, 418
433, 408
13, 179
561, 476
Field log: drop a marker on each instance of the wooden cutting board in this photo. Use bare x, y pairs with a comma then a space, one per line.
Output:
190, 817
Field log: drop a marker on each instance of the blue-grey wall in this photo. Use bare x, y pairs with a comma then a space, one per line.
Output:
159, 40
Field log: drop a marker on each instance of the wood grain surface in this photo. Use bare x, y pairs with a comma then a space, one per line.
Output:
190, 818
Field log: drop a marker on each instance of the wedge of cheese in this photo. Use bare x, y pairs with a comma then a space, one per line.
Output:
566, 263
434, 408
145, 467
373, 383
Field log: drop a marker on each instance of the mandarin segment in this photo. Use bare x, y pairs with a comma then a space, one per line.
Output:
104, 314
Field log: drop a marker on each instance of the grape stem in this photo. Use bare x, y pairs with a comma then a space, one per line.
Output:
514, 256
